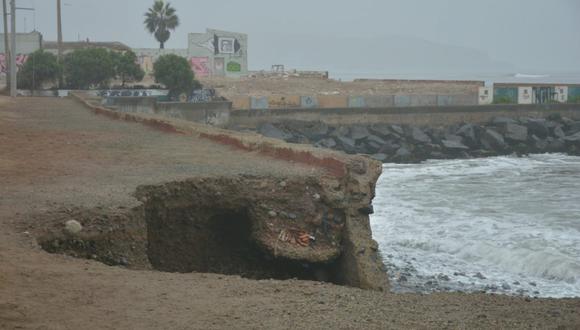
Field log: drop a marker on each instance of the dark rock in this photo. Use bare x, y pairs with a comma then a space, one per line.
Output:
372, 147
359, 132
506, 286
452, 137
403, 154
367, 210
503, 121
515, 132
398, 129
418, 136
468, 132
573, 128
380, 157
274, 132
340, 131
555, 145
376, 139
559, 132
539, 144
383, 130
538, 127
493, 140
326, 143
313, 130
575, 138
390, 147
454, 145
348, 145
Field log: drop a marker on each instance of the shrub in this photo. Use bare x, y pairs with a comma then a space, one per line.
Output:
86, 68
175, 73
126, 67
574, 99
41, 67
503, 100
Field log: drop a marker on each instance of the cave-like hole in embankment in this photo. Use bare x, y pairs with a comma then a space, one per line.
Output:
214, 240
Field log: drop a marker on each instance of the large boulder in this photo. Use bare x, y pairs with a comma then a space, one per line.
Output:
500, 121
328, 143
418, 136
492, 140
383, 130
274, 132
573, 128
454, 145
515, 132
390, 147
347, 144
468, 132
313, 130
359, 132
538, 127
573, 139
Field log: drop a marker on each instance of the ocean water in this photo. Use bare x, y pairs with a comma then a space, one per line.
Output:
505, 225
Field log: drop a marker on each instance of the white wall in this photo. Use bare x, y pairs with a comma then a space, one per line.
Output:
485, 95
524, 95
561, 94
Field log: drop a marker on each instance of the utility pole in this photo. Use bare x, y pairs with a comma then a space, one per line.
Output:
6, 43
13, 57
59, 30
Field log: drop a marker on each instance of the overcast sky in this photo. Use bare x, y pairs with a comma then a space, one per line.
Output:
542, 34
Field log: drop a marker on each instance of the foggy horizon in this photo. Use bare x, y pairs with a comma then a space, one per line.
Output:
453, 36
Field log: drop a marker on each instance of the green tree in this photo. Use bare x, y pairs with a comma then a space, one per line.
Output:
175, 73
41, 67
126, 67
159, 20
86, 68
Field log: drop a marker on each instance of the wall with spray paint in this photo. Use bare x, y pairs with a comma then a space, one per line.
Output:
213, 53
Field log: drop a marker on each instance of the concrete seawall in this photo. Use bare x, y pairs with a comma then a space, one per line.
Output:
416, 116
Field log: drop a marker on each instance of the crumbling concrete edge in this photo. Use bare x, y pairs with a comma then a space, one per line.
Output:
361, 265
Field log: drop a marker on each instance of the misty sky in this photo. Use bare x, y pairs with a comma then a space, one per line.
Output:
526, 34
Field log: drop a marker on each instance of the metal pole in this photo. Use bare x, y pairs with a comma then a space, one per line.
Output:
14, 52
6, 44
59, 29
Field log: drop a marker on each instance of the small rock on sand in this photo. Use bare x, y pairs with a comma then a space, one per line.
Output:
73, 227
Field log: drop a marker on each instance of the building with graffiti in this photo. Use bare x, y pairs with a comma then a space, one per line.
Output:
26, 43
214, 53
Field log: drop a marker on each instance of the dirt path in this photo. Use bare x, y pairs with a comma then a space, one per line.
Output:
55, 153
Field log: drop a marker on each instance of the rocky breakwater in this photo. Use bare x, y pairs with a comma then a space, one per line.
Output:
409, 144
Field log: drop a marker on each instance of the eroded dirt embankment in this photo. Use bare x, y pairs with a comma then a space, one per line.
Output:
307, 228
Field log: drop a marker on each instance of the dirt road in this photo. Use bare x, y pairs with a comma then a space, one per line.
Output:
55, 153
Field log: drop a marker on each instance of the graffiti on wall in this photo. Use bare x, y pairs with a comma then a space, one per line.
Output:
200, 66
20, 60
202, 95
234, 67
222, 45
125, 93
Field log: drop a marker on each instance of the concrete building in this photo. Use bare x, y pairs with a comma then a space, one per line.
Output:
69, 46
214, 53
26, 43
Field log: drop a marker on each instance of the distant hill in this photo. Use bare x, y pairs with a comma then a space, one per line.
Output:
393, 54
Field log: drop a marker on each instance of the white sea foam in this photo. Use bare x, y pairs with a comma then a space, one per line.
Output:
513, 220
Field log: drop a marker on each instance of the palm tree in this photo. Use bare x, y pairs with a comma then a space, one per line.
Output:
159, 20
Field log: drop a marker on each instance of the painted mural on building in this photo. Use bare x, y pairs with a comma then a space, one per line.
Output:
200, 66
20, 60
